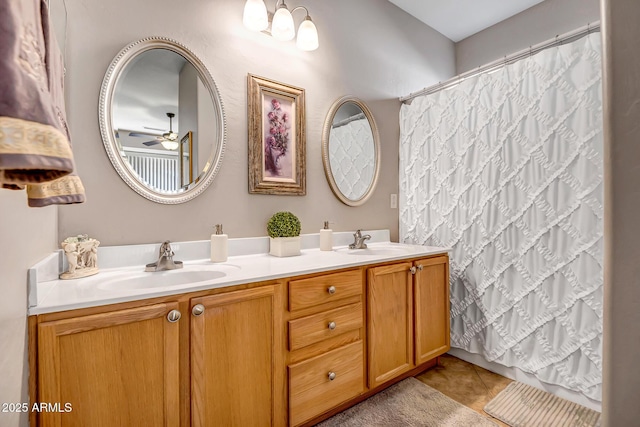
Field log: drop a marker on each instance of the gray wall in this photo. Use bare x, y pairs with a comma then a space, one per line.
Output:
535, 25
368, 48
622, 210
27, 235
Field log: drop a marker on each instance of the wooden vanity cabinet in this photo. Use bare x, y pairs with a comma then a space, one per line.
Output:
114, 369
212, 358
326, 358
408, 316
431, 308
292, 351
390, 322
236, 359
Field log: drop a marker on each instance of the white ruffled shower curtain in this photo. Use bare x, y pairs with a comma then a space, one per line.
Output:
352, 154
506, 168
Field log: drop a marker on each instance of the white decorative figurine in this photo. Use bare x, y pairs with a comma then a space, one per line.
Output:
82, 256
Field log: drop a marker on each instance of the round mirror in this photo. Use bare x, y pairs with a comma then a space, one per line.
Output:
351, 151
162, 120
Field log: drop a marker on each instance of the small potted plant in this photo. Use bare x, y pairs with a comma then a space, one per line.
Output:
284, 234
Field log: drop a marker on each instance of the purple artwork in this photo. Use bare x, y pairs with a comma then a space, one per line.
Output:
278, 144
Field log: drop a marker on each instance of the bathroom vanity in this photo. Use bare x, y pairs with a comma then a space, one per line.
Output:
270, 342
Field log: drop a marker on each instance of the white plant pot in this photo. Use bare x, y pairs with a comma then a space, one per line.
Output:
284, 246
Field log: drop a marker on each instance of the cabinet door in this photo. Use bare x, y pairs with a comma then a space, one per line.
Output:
431, 296
390, 322
237, 367
114, 369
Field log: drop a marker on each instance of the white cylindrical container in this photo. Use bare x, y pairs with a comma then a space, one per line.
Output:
326, 238
219, 247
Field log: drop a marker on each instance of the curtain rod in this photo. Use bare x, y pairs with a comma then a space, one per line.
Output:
509, 59
348, 120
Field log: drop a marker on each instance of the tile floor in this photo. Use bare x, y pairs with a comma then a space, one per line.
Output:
466, 383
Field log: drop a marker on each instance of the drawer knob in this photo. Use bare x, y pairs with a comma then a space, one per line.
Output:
413, 270
331, 290
197, 309
332, 325
174, 316
420, 267
332, 376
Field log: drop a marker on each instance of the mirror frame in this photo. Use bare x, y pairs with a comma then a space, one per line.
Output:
325, 150
105, 115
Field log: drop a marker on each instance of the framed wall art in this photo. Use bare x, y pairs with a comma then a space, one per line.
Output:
277, 141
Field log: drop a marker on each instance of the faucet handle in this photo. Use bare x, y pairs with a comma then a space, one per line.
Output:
165, 249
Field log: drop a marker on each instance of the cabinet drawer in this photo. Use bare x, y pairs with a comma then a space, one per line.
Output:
323, 289
312, 329
311, 392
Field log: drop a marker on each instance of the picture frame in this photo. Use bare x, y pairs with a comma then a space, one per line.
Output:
277, 137
186, 160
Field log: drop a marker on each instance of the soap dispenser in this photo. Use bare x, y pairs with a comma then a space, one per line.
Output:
326, 238
219, 249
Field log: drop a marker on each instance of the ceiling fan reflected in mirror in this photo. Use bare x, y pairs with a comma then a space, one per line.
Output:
169, 140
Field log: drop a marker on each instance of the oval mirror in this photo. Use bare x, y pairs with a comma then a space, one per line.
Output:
351, 151
162, 120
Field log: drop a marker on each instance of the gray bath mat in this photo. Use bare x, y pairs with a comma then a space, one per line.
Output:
408, 403
520, 405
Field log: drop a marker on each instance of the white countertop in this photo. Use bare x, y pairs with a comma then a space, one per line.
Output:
60, 295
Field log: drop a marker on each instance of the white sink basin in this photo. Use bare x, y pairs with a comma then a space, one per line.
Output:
386, 250
162, 279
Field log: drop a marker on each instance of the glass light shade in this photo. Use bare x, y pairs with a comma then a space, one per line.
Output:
307, 35
170, 145
255, 15
282, 27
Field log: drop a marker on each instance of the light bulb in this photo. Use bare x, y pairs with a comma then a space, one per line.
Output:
307, 35
255, 15
282, 27
170, 145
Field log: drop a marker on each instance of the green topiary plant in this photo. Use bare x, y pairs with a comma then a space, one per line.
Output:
283, 224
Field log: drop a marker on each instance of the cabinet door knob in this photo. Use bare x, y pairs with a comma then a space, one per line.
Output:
197, 309
413, 270
332, 325
174, 316
332, 376
331, 290
420, 267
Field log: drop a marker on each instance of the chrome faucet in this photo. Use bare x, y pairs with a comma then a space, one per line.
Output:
359, 240
165, 259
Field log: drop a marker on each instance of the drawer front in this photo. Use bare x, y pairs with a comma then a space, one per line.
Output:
311, 392
324, 289
312, 329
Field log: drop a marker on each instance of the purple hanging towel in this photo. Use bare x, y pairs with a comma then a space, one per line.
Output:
35, 149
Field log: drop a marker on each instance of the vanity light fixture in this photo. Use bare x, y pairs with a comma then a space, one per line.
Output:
256, 18
255, 15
